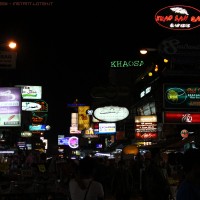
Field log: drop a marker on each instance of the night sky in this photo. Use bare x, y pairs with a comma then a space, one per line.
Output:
67, 47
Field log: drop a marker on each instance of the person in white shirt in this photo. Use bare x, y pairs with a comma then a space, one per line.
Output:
83, 187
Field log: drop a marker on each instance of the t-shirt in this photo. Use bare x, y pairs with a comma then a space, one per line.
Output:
188, 191
95, 190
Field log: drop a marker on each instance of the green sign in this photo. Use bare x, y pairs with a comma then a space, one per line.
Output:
124, 64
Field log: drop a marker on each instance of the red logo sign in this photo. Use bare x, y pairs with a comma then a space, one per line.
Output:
178, 17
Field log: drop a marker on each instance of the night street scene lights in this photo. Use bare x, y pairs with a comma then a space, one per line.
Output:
12, 45
8, 54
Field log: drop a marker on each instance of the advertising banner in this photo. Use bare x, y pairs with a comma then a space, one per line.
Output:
181, 117
83, 118
146, 127
10, 107
181, 96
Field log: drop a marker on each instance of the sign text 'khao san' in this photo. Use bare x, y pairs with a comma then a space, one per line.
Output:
178, 17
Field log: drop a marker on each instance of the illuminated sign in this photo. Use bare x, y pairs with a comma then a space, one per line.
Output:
74, 130
107, 128
41, 127
149, 118
30, 106
178, 17
181, 117
10, 107
83, 118
146, 127
26, 134
89, 133
30, 92
183, 96
111, 113
125, 64
38, 120
73, 142
43, 104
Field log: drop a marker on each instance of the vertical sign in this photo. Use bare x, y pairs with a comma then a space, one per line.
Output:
10, 106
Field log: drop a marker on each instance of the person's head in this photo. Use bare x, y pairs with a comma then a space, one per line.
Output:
86, 167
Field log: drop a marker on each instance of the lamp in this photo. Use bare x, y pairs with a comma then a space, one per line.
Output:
146, 50
10, 45
8, 54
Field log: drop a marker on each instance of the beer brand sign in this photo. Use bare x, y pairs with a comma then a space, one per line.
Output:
181, 96
181, 117
178, 17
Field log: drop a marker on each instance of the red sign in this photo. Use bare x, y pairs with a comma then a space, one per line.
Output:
181, 117
178, 17
146, 130
146, 135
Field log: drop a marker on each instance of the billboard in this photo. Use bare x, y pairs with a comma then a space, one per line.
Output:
83, 118
72, 142
30, 92
106, 128
146, 127
181, 96
111, 113
178, 17
175, 117
30, 106
10, 107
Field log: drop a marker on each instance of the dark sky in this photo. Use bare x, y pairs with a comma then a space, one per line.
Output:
67, 46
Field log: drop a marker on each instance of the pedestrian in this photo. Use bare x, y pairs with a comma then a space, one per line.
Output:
83, 186
155, 182
122, 182
189, 188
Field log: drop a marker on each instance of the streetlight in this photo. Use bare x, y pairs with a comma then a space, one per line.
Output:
12, 45
146, 50
8, 54
8, 45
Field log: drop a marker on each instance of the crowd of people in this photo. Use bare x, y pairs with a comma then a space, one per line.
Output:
145, 177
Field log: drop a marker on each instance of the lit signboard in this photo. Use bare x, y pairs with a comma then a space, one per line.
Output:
43, 104
107, 128
40, 127
63, 141
83, 118
181, 117
111, 113
73, 142
10, 107
30, 92
89, 133
38, 120
178, 17
126, 64
146, 127
26, 134
183, 96
30, 106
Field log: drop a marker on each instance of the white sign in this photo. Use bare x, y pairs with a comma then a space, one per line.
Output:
111, 113
30, 106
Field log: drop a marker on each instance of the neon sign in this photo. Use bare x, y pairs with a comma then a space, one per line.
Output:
125, 64
178, 17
